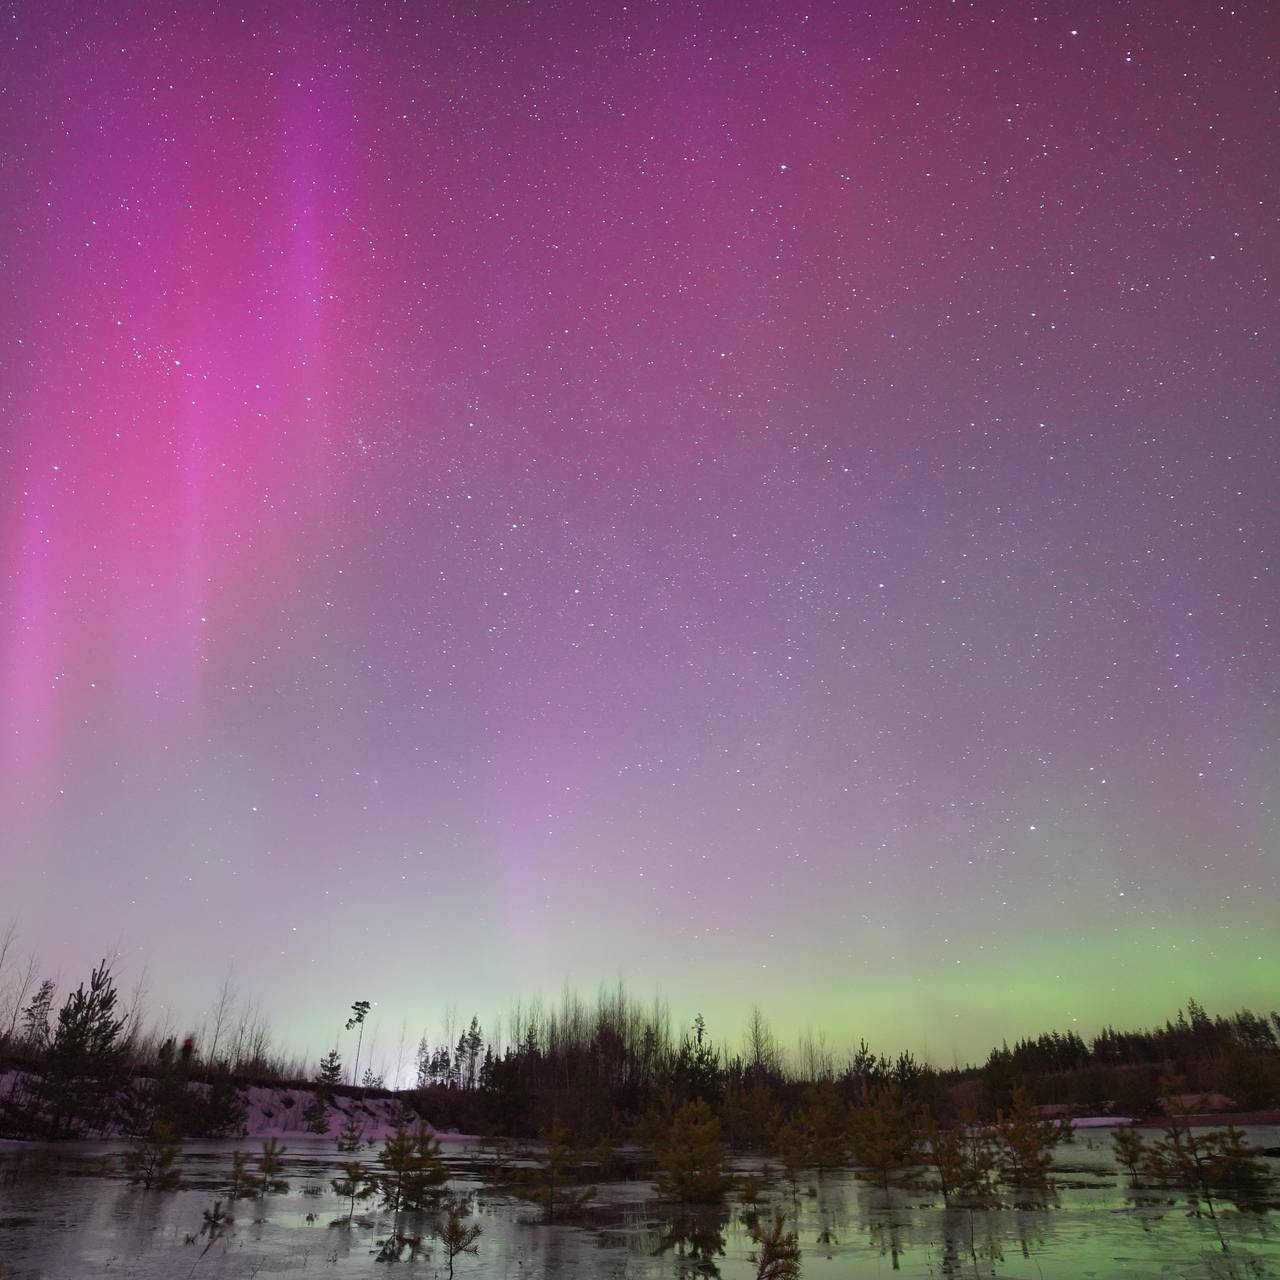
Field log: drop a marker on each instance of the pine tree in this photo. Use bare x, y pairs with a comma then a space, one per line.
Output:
351, 1135
881, 1134
963, 1157
35, 1018
471, 1044
355, 1184
241, 1184
794, 1145
827, 1121
456, 1235
696, 1071
359, 1011
548, 1183
216, 1221
1026, 1142
748, 1114
1183, 1158
316, 1116
414, 1169
152, 1162
165, 1098
84, 1065
270, 1167
1205, 1165
223, 1111
941, 1148
777, 1253
692, 1157
1130, 1150
1233, 1164
330, 1074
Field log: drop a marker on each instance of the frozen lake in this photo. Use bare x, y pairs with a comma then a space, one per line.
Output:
71, 1220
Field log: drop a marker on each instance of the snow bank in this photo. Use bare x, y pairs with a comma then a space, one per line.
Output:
275, 1111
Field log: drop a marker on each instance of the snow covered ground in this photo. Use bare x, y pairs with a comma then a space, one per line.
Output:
276, 1112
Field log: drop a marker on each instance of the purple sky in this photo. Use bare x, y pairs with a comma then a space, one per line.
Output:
775, 501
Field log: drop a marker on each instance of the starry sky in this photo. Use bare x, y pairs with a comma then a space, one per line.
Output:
775, 501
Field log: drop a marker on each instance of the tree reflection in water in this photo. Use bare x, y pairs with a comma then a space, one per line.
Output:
697, 1237
969, 1239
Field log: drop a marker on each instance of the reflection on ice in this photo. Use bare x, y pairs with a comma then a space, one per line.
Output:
64, 1212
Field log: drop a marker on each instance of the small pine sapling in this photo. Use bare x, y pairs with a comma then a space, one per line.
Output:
1129, 1149
692, 1157
1233, 1164
270, 1167
351, 1135
455, 1234
883, 1144
415, 1169
355, 1184
826, 1119
315, 1117
794, 1145
550, 1182
216, 1221
223, 1111
777, 1252
151, 1163
1026, 1143
241, 1184
963, 1157
330, 1074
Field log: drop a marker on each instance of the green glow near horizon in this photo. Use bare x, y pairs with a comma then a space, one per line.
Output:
1081, 984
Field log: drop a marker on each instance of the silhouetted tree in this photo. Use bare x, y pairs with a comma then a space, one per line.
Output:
550, 1183
83, 1067
1026, 1142
1129, 1149
880, 1129
748, 1114
826, 1118
793, 1142
35, 1018
330, 1073
692, 1157
223, 1111
413, 1168
963, 1157
315, 1117
351, 1135
359, 1011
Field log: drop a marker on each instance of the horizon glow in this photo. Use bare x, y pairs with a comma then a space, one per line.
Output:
774, 503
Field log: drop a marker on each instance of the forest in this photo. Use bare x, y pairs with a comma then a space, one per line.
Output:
608, 1070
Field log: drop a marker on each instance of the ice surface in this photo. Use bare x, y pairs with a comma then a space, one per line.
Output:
71, 1221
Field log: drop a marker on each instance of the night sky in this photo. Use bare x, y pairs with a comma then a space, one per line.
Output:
777, 502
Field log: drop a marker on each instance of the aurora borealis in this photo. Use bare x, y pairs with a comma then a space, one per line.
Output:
774, 501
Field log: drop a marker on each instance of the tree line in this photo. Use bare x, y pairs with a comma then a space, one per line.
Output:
611, 1068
